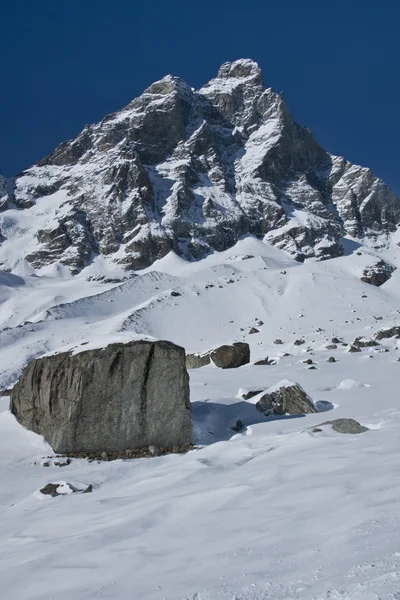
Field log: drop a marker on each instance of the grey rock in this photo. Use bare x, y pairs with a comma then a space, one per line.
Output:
299, 342
353, 349
196, 361
231, 357
331, 359
124, 396
331, 347
253, 330
131, 182
278, 342
290, 398
238, 426
387, 333
364, 342
265, 361
251, 394
50, 489
346, 426
378, 273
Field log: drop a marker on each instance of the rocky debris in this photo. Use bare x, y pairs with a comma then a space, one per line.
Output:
196, 361
388, 332
331, 347
5, 393
345, 426
253, 330
332, 359
336, 340
299, 342
286, 397
63, 489
309, 361
175, 294
238, 426
265, 361
353, 349
130, 453
378, 273
231, 357
61, 463
278, 342
364, 342
124, 396
250, 394
130, 188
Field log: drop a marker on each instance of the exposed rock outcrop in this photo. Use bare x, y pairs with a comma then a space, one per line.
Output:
124, 396
378, 274
231, 357
192, 171
387, 333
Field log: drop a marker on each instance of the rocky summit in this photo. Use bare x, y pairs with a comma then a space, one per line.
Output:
190, 171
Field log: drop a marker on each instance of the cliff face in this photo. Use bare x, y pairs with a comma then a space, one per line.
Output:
190, 171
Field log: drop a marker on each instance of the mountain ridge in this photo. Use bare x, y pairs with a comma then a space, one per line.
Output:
193, 172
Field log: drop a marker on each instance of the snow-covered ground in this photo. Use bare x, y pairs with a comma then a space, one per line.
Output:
275, 512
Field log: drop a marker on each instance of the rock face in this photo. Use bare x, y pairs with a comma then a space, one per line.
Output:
124, 396
286, 397
192, 171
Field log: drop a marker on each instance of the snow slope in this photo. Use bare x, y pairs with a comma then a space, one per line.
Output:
275, 512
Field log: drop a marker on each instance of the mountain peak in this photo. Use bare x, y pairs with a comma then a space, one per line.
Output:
243, 68
191, 171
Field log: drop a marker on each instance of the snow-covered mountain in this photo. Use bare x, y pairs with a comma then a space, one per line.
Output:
283, 507
190, 171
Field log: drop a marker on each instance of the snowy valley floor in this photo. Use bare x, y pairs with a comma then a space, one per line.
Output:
275, 512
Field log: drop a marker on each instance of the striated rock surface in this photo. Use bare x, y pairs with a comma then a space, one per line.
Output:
124, 396
191, 171
287, 397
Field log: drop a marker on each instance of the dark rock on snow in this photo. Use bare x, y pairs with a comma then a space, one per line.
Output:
388, 333
124, 396
230, 357
346, 426
286, 398
378, 273
224, 357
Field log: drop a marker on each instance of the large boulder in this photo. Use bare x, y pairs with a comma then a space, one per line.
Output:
287, 397
230, 357
123, 396
224, 357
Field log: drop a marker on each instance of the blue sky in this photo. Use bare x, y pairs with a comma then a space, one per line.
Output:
66, 63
